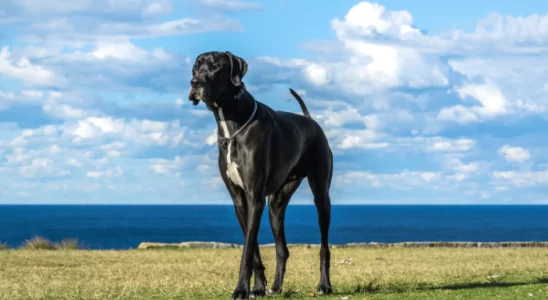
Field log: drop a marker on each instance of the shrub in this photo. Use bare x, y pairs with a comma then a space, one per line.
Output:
68, 244
38, 243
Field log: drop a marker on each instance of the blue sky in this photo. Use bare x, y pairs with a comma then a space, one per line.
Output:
423, 102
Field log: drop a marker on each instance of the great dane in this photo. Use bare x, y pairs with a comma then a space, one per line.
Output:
263, 152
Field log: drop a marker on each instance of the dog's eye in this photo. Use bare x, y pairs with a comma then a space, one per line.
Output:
215, 67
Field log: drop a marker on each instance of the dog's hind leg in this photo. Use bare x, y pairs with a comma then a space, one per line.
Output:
277, 204
319, 179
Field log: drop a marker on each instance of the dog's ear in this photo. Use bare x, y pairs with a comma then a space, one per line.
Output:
238, 68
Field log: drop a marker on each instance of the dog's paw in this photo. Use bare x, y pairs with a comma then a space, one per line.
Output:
240, 293
274, 290
325, 289
258, 291
259, 288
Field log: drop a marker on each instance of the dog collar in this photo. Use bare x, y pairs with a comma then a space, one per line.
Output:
241, 92
224, 141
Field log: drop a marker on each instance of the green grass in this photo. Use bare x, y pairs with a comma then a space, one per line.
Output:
390, 273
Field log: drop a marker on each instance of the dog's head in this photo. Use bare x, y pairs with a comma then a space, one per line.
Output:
216, 74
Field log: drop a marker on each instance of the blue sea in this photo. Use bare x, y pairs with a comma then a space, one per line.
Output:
123, 227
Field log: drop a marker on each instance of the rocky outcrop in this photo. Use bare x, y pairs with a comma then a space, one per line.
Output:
217, 245
213, 245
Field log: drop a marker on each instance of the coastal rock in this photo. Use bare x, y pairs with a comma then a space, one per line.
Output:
217, 245
148, 245
213, 245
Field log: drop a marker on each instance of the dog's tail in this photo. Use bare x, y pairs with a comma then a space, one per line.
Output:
301, 103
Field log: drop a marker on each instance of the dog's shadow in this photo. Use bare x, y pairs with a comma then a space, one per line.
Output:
373, 288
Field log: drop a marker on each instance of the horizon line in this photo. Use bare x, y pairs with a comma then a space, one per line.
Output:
293, 204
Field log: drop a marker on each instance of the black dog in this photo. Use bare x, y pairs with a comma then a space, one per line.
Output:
263, 152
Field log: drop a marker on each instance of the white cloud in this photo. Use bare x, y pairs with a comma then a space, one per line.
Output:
185, 166
143, 132
369, 65
26, 71
367, 19
437, 144
231, 4
212, 138
496, 69
514, 154
179, 102
359, 139
458, 113
97, 8
316, 74
114, 172
74, 162
62, 49
520, 179
41, 167
458, 166
446, 145
508, 30
179, 27
8, 99
167, 167
158, 7
54, 149
378, 88
404, 180
490, 97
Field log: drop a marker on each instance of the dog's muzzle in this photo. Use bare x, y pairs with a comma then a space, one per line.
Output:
196, 92
195, 95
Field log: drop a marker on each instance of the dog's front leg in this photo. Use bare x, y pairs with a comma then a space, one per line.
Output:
258, 268
255, 208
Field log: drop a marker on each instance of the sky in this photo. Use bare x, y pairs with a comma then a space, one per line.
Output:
422, 102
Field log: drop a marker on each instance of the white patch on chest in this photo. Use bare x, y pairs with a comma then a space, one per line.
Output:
231, 167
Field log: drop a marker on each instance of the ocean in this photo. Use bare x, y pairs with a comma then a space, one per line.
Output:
125, 226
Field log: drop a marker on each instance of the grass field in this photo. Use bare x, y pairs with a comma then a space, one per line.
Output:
392, 273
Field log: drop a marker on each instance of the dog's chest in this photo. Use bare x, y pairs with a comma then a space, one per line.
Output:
232, 168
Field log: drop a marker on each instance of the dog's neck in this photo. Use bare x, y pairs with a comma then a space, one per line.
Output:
237, 109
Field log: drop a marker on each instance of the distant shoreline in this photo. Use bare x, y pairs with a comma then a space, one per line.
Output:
218, 245
290, 204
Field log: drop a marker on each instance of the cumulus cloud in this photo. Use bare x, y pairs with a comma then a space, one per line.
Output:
402, 109
383, 49
24, 70
514, 154
369, 64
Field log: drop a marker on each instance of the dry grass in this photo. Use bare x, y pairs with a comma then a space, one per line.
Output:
397, 273
41, 243
38, 243
68, 244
